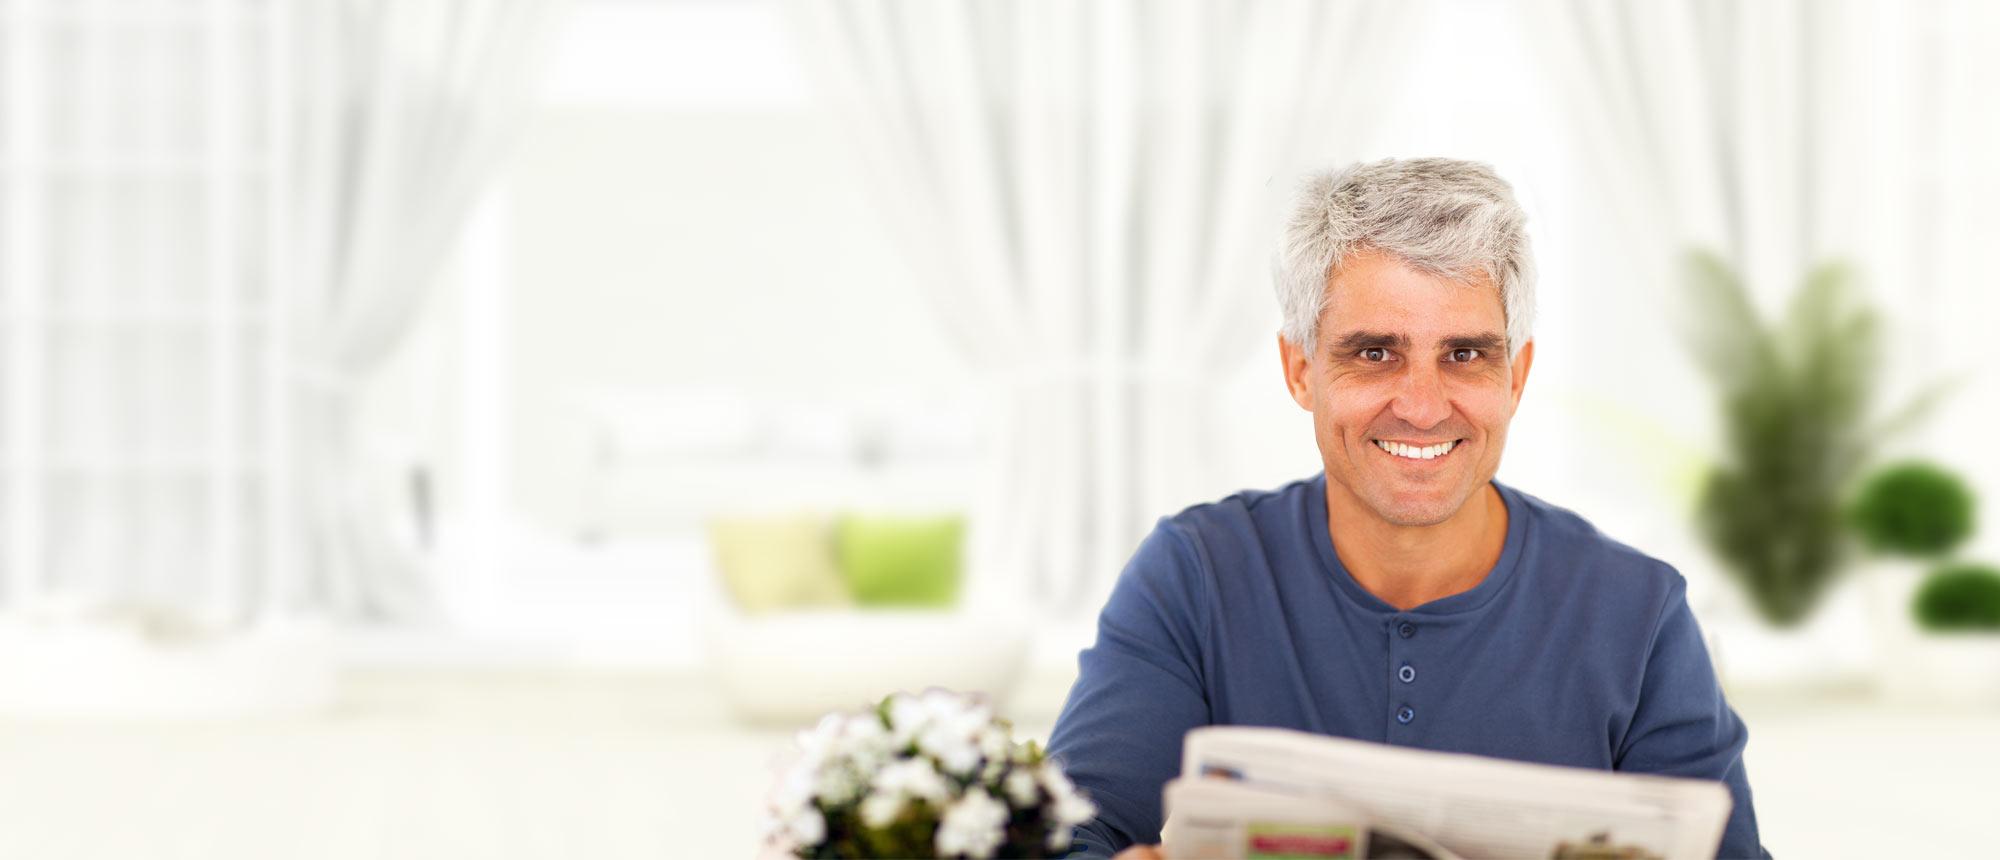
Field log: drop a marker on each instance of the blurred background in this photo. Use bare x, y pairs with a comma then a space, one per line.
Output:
490, 428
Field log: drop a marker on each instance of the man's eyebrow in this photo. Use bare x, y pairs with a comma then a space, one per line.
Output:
1359, 340
1487, 341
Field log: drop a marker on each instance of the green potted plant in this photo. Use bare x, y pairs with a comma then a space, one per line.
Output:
1798, 402
1939, 632
1957, 657
1914, 510
1911, 517
1959, 599
1797, 395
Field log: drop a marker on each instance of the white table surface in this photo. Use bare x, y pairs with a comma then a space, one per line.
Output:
521, 764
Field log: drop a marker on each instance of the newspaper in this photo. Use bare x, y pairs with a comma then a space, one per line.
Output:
1257, 793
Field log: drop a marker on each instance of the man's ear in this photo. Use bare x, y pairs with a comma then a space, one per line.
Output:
1523, 360
1294, 359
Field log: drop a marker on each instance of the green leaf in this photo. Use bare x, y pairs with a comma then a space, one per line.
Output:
1795, 399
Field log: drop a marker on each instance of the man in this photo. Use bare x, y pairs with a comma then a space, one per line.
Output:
1402, 596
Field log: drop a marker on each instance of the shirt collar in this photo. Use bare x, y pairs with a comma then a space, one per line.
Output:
1466, 601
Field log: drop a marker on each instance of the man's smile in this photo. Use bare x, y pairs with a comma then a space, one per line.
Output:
1419, 451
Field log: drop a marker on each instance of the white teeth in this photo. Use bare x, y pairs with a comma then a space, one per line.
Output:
1415, 453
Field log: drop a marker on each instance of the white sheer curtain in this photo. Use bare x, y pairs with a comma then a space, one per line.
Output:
401, 111
132, 190
1782, 134
1086, 189
1730, 126
214, 218
1787, 132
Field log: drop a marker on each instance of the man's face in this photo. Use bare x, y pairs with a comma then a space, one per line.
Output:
1410, 387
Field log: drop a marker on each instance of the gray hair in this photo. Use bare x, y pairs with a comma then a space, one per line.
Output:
1451, 218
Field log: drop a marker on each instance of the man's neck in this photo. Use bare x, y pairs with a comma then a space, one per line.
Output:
1408, 566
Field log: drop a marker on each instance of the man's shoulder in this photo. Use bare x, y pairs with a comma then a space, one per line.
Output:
1246, 528
1244, 513
1574, 547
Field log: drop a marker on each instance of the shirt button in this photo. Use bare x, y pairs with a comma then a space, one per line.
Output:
1407, 630
1406, 714
1408, 673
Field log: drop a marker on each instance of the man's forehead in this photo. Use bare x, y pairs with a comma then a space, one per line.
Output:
1382, 293
1370, 286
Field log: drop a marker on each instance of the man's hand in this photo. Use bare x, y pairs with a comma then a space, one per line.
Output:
1141, 852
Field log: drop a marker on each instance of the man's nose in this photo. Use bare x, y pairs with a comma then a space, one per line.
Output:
1420, 400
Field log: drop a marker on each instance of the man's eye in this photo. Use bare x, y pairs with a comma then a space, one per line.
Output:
1374, 353
1464, 355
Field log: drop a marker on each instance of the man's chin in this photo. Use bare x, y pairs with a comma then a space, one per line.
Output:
1414, 518
1417, 509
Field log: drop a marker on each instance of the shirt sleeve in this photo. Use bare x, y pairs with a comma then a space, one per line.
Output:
1138, 691
1682, 726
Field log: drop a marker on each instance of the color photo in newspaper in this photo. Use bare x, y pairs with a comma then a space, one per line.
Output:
1248, 792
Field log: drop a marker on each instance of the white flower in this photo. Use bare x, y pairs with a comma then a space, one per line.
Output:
1074, 809
952, 747
768, 827
865, 743
822, 740
1020, 786
914, 777
863, 730
793, 792
910, 716
1070, 806
907, 717
837, 784
1059, 837
806, 828
992, 742
945, 705
879, 809
974, 826
989, 773
1053, 779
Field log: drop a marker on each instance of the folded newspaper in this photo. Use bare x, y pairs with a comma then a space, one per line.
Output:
1264, 794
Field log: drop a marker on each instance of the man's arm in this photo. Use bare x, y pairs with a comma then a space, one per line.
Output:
1684, 727
1138, 691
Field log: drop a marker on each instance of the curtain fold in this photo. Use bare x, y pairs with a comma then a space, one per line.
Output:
1729, 126
1789, 132
398, 116
1086, 191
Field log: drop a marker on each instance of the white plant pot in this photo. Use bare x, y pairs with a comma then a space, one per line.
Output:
1830, 651
1948, 668
790, 668
1917, 667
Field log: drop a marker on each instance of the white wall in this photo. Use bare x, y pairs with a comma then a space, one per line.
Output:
681, 213
703, 247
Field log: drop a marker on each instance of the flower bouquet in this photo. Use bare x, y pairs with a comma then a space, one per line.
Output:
931, 775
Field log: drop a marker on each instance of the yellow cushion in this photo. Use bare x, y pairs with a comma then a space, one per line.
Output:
770, 563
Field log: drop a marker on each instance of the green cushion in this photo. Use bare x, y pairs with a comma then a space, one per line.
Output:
901, 561
772, 563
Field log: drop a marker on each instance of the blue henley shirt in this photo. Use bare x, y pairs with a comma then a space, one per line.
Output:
1575, 650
